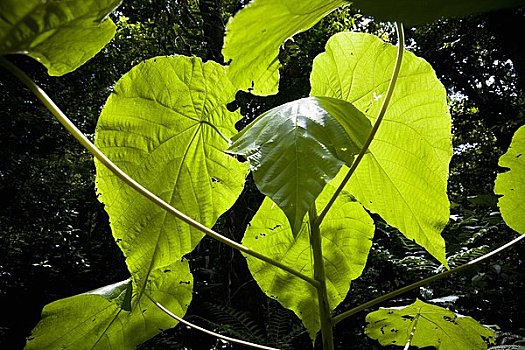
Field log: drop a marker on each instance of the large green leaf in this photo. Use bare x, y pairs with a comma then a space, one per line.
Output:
404, 175
418, 12
347, 233
101, 319
511, 184
254, 35
163, 125
432, 326
296, 148
61, 34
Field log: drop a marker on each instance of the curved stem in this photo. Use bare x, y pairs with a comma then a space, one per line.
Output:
87, 144
379, 119
204, 330
426, 281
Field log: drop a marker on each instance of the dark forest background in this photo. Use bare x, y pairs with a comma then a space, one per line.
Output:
55, 239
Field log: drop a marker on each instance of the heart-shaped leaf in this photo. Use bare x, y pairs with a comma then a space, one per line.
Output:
165, 125
346, 232
404, 175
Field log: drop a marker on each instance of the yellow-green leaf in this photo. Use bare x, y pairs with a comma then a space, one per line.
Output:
101, 320
431, 326
346, 232
165, 125
511, 184
404, 175
254, 35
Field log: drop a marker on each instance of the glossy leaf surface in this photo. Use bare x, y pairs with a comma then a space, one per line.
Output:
62, 35
347, 233
254, 35
100, 319
419, 12
162, 126
511, 184
404, 176
433, 326
298, 147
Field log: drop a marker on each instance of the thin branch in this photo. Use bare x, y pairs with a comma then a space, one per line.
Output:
382, 111
426, 281
87, 144
204, 330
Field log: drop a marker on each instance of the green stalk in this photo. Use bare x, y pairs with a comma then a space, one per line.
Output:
88, 145
320, 276
379, 119
426, 281
204, 330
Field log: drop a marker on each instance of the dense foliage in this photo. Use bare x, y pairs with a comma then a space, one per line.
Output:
54, 225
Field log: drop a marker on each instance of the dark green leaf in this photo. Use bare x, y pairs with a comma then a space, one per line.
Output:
61, 34
296, 148
418, 12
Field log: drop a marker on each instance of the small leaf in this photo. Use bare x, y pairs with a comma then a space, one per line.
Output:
404, 176
432, 326
98, 320
296, 148
418, 12
511, 184
254, 35
347, 233
62, 35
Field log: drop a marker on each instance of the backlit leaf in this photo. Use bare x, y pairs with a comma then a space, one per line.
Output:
296, 148
100, 320
404, 176
511, 184
254, 35
162, 126
347, 233
61, 34
418, 12
432, 326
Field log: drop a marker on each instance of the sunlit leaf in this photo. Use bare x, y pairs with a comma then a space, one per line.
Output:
101, 320
418, 12
61, 34
254, 35
511, 184
431, 326
404, 175
163, 125
296, 148
347, 233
